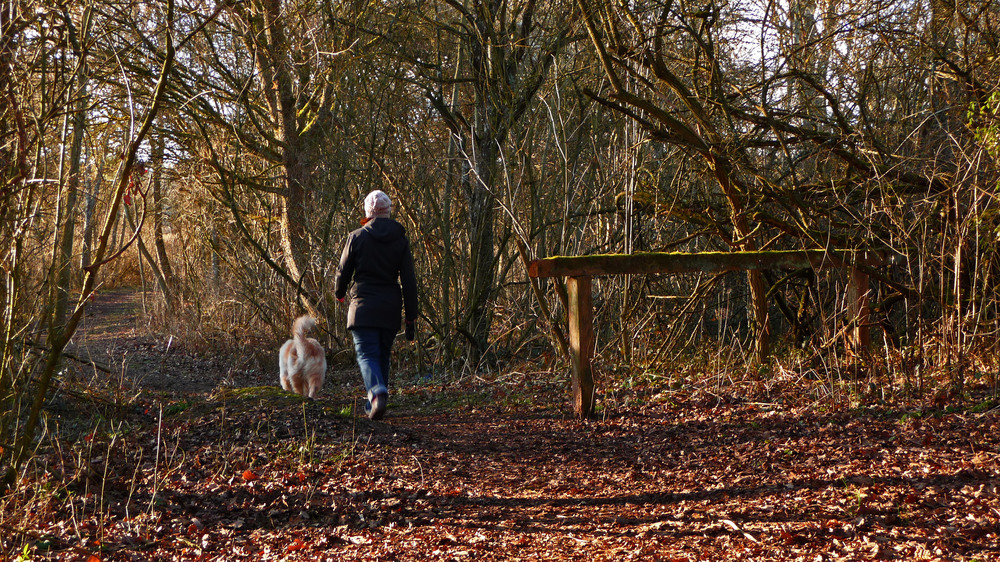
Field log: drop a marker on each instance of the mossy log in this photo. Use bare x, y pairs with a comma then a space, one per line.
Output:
683, 262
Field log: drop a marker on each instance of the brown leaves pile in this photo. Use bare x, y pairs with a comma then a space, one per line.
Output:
683, 478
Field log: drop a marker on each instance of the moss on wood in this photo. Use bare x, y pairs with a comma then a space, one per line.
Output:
685, 262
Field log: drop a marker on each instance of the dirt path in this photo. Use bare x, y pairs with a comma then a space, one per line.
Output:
472, 470
110, 322
255, 474
116, 338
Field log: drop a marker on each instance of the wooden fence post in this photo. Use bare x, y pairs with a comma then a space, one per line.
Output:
581, 342
859, 339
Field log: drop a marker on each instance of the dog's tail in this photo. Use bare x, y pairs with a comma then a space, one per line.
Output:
302, 325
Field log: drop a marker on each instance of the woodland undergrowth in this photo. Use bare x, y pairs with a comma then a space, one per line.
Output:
107, 474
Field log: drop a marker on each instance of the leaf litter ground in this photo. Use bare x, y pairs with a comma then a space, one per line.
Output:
473, 470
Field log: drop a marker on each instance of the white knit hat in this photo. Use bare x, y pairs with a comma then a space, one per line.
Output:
377, 204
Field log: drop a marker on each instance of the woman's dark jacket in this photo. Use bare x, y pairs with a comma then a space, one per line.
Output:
377, 259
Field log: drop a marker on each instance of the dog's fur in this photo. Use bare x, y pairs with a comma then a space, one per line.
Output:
301, 361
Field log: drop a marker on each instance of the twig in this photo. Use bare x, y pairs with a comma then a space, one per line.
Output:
732, 525
421, 468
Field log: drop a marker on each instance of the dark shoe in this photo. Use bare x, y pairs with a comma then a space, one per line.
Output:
377, 408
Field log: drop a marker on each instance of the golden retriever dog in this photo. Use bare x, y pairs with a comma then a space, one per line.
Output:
301, 361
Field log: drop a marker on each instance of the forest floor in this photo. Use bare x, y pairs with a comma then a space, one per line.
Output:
178, 455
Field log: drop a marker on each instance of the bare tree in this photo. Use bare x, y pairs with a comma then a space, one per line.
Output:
482, 71
690, 123
62, 321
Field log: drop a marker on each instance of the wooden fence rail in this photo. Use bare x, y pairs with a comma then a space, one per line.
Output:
580, 270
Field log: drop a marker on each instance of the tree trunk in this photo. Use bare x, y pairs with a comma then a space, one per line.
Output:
161, 248
296, 180
90, 194
744, 241
482, 222
67, 232
63, 259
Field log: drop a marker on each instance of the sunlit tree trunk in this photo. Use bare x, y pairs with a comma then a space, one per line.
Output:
66, 227
276, 75
157, 187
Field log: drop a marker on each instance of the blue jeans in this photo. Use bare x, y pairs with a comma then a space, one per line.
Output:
373, 347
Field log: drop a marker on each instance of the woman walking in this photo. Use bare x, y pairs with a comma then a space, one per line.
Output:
378, 261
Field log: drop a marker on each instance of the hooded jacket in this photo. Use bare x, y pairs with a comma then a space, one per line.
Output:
377, 259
